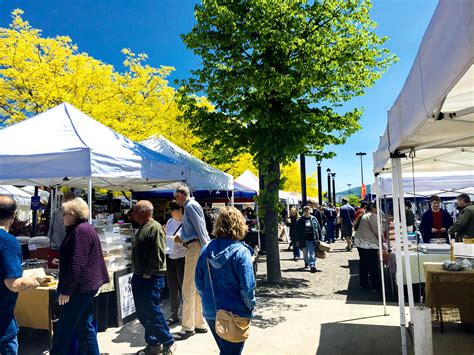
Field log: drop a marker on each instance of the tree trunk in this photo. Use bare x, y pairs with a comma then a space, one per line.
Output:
271, 184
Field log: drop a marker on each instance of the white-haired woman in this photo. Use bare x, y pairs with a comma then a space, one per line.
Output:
81, 273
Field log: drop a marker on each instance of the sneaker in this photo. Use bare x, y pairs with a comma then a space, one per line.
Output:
169, 349
174, 319
201, 330
313, 269
183, 335
296, 258
151, 350
306, 266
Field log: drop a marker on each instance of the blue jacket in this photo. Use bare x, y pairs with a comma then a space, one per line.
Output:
232, 277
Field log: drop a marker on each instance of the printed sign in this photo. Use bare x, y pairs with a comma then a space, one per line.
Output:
123, 289
35, 203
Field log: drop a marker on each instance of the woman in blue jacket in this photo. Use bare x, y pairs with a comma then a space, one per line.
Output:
232, 275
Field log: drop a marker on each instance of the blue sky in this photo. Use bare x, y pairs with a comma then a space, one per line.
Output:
102, 28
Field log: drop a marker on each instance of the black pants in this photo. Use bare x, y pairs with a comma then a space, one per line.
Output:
175, 275
369, 264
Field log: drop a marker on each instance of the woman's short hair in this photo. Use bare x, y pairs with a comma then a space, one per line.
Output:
174, 206
78, 207
230, 224
371, 205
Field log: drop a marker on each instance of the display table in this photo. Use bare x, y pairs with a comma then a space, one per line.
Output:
415, 277
450, 289
34, 307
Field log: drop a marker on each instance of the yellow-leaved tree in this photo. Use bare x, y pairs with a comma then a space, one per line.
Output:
292, 180
38, 73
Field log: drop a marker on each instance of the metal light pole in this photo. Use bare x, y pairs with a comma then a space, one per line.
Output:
361, 154
349, 185
329, 185
333, 188
320, 184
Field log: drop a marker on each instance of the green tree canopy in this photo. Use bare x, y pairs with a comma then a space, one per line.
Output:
278, 72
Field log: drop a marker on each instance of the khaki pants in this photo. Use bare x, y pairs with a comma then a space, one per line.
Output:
192, 307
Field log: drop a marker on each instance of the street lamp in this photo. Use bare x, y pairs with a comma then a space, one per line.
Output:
361, 154
334, 188
320, 184
349, 185
329, 184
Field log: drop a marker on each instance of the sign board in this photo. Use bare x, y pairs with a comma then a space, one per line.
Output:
125, 302
35, 203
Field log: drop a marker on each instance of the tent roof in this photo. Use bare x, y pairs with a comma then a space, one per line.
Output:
248, 180
21, 197
434, 113
64, 142
427, 184
198, 174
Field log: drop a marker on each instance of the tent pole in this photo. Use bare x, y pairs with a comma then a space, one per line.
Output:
379, 229
398, 251
89, 199
232, 198
404, 234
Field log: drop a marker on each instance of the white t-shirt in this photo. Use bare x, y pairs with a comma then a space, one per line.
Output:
178, 250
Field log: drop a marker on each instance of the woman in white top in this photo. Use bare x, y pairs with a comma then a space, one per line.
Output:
174, 261
366, 241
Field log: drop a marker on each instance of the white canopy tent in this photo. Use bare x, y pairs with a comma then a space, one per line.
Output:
432, 120
250, 181
22, 199
64, 146
444, 184
197, 174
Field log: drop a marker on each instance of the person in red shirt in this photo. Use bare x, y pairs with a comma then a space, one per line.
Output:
435, 222
361, 210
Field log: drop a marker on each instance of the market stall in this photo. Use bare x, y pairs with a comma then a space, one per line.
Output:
430, 128
75, 150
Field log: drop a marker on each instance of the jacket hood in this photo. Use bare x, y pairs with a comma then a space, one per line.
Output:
219, 251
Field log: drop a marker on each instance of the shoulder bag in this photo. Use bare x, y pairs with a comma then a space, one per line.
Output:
228, 326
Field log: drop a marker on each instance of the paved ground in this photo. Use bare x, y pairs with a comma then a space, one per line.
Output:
321, 313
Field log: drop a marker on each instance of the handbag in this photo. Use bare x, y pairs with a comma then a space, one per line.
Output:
229, 326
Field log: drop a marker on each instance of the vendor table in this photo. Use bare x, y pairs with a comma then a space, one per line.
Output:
450, 289
415, 277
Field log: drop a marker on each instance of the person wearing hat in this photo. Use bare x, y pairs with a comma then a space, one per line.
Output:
308, 235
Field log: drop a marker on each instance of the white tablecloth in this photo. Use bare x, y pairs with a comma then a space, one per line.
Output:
415, 277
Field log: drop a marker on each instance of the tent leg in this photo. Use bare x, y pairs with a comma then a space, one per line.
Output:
379, 229
89, 199
398, 251
404, 234
232, 198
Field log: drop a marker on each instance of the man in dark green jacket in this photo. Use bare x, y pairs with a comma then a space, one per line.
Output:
149, 269
308, 235
464, 226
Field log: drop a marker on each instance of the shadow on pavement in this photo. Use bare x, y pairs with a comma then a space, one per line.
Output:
270, 312
347, 338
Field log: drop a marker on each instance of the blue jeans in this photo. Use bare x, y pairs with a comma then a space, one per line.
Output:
146, 294
309, 253
225, 347
296, 250
76, 317
9, 347
330, 232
